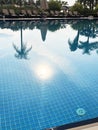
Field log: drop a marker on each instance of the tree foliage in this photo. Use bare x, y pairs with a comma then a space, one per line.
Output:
77, 7
86, 7
54, 5
88, 3
18, 2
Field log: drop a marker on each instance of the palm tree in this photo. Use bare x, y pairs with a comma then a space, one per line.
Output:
23, 51
74, 44
64, 3
89, 3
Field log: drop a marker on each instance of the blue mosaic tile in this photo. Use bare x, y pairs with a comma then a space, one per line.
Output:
43, 92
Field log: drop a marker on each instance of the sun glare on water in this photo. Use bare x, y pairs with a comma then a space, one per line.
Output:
44, 72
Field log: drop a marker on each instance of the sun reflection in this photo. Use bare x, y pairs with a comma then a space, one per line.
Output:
44, 71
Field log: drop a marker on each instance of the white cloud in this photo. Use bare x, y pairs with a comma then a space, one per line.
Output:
70, 2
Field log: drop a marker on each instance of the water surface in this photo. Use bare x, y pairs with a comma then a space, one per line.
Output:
48, 72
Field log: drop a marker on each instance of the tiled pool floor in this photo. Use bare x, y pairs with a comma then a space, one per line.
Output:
47, 81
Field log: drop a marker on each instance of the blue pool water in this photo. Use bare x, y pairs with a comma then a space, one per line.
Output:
48, 73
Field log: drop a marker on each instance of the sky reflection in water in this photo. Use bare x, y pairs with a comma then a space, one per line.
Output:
48, 71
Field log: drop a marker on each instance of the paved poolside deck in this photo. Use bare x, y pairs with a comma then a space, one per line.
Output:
93, 126
78, 125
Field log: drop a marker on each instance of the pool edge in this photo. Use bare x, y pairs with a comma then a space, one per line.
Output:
74, 125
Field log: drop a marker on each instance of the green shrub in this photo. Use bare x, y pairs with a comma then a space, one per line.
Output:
77, 7
81, 9
54, 5
96, 8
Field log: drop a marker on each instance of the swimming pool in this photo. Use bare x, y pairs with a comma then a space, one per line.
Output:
48, 73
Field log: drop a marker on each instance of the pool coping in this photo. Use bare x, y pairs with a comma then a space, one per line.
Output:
75, 124
93, 126
47, 18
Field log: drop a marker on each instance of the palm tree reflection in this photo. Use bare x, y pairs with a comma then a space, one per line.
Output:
87, 46
74, 44
22, 52
89, 30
